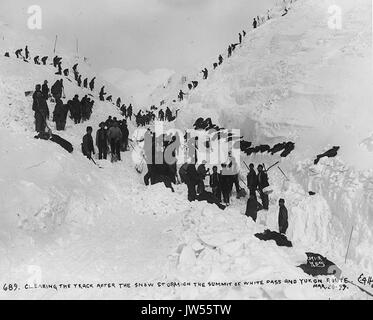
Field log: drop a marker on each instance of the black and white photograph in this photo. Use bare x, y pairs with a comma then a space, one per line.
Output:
186, 150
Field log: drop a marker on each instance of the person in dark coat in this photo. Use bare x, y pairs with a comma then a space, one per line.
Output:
252, 207
27, 53
191, 180
252, 180
59, 66
7, 55
59, 115
282, 217
263, 183
102, 142
92, 84
125, 135
215, 183
129, 112
102, 94
56, 89
205, 73
255, 23
87, 145
36, 60
40, 107
79, 80
45, 90
85, 83
115, 138
76, 109
220, 59
202, 173
161, 115
66, 72
226, 183
19, 53
44, 60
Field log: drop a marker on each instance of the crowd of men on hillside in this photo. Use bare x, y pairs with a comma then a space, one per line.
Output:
159, 150
112, 135
80, 110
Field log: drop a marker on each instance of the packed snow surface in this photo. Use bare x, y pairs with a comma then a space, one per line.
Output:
66, 221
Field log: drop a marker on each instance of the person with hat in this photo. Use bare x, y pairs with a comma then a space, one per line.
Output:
102, 142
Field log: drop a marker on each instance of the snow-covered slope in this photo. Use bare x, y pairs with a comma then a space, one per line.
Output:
64, 220
135, 84
296, 79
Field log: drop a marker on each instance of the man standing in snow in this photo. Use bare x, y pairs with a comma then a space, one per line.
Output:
263, 183
233, 167
252, 180
191, 179
27, 53
45, 90
255, 23
125, 134
119, 102
283, 217
220, 59
181, 95
202, 173
57, 89
59, 115
101, 142
129, 112
92, 84
102, 94
215, 183
40, 107
87, 145
226, 184
76, 109
115, 138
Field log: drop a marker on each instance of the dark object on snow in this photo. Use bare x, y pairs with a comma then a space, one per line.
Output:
57, 139
280, 239
330, 154
311, 193
210, 198
317, 265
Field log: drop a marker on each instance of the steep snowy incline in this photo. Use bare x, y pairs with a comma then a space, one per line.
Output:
295, 79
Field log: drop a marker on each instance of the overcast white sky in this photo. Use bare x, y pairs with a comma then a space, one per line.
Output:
142, 34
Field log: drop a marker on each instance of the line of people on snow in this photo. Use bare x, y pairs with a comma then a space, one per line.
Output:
80, 110
257, 21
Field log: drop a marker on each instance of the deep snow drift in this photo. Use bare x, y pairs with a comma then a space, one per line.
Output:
64, 220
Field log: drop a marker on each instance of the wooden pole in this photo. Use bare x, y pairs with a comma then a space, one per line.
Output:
55, 44
348, 247
283, 173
